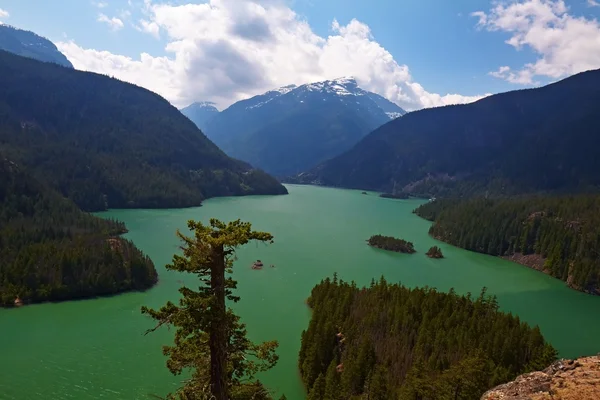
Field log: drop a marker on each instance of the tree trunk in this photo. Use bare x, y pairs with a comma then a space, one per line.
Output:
218, 331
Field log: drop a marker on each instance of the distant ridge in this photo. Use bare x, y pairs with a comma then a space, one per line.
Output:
28, 44
105, 143
200, 113
535, 140
292, 128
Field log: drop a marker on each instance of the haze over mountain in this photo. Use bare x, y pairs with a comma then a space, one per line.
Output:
200, 113
287, 130
108, 144
28, 44
543, 139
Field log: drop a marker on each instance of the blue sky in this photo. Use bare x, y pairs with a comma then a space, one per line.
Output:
445, 48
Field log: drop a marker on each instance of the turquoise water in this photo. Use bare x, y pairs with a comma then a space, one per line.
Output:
96, 349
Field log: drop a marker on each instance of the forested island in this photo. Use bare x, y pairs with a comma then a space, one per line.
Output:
391, 243
434, 252
51, 250
557, 235
388, 341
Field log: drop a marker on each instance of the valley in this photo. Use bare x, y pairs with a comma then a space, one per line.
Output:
89, 348
293, 232
288, 130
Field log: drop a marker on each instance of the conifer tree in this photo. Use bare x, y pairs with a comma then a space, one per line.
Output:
209, 338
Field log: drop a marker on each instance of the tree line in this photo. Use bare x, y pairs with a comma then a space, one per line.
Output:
105, 144
391, 243
51, 250
387, 341
563, 231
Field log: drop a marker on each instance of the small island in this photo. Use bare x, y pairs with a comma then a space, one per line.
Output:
391, 243
434, 252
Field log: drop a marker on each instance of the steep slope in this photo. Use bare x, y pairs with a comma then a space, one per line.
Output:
290, 129
200, 113
543, 139
50, 250
557, 235
28, 44
105, 143
563, 380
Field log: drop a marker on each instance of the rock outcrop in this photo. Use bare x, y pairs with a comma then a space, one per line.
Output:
564, 380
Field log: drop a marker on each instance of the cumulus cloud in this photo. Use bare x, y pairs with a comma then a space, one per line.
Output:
114, 23
149, 27
593, 3
523, 77
3, 14
227, 50
564, 44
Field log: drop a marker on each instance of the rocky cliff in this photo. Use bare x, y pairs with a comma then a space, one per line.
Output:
564, 380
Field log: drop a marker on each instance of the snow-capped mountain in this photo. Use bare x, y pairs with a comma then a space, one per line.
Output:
200, 113
290, 129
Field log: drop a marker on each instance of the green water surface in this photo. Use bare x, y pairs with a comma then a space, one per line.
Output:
96, 349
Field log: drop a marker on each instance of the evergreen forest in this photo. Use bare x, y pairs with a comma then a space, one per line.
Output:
391, 243
105, 143
51, 251
519, 142
390, 342
558, 235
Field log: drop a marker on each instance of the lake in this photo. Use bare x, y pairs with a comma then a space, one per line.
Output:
96, 349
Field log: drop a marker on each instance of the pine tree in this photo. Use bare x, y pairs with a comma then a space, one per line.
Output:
209, 338
318, 390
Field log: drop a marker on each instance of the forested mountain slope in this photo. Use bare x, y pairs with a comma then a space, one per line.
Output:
290, 129
28, 44
50, 250
106, 143
557, 235
390, 342
543, 139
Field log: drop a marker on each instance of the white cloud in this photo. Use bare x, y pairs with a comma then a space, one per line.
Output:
564, 44
482, 17
125, 14
227, 50
3, 14
523, 77
593, 3
99, 4
114, 23
149, 27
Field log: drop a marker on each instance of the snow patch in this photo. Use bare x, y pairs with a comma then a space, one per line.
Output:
393, 115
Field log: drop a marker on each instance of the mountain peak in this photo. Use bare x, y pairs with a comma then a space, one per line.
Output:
201, 104
344, 86
285, 89
200, 112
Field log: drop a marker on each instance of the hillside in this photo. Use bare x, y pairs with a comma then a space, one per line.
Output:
51, 251
28, 44
290, 129
543, 139
106, 143
559, 236
200, 113
563, 380
419, 344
